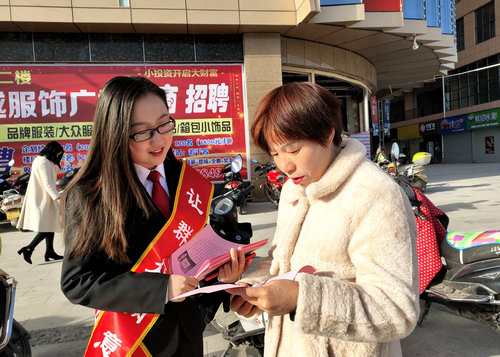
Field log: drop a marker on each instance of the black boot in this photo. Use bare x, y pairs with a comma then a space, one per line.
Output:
26, 252
52, 255
49, 251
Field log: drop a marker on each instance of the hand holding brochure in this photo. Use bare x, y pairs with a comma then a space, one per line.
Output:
205, 253
308, 269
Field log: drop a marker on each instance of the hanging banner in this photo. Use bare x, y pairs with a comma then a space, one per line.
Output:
386, 116
41, 103
374, 114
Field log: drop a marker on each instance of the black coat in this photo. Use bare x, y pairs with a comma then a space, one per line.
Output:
100, 283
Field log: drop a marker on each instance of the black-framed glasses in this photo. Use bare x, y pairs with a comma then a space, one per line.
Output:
148, 134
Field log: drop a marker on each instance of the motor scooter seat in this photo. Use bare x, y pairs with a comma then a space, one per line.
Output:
469, 247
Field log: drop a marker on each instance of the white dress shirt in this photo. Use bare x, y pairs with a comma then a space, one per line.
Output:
143, 173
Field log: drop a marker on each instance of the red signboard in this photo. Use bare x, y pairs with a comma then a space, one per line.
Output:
383, 5
374, 109
41, 103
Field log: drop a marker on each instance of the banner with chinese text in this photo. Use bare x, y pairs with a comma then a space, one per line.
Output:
41, 103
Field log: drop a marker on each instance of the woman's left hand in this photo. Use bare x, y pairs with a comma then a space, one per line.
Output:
278, 297
231, 271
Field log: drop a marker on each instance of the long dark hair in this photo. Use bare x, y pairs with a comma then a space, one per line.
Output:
106, 186
53, 151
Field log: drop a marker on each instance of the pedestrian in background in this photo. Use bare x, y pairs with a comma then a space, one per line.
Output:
41, 209
344, 216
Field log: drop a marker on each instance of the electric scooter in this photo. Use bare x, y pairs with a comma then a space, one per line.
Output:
234, 182
224, 220
273, 182
14, 339
460, 270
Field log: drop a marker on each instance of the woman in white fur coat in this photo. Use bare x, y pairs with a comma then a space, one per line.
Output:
344, 216
40, 212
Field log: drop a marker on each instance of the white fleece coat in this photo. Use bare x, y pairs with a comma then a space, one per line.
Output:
356, 227
40, 212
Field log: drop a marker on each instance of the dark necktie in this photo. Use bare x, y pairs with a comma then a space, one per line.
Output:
160, 197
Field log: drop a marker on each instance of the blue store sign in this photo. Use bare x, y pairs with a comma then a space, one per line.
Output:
452, 124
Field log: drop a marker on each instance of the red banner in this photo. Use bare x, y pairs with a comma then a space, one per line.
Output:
41, 103
383, 5
121, 334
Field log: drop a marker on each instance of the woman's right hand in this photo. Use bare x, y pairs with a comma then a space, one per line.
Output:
243, 307
178, 284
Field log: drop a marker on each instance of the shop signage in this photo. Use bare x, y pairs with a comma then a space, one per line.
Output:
41, 103
484, 119
428, 128
452, 124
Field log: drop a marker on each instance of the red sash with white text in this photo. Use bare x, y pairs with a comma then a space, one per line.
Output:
120, 334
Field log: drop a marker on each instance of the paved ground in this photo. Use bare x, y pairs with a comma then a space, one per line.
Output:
468, 193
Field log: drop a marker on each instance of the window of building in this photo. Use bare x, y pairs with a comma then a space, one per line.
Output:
476, 83
429, 100
485, 22
116, 47
460, 34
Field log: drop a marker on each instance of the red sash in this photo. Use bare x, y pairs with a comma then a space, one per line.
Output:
120, 334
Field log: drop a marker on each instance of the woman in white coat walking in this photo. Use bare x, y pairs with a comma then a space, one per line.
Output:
40, 212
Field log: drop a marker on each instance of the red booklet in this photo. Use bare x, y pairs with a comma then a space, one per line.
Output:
205, 253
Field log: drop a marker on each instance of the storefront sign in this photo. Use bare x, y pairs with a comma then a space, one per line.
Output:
40, 103
428, 128
484, 119
452, 124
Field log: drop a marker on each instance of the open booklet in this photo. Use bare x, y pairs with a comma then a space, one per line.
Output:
308, 269
205, 253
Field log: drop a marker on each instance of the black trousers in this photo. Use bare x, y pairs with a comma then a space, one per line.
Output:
49, 241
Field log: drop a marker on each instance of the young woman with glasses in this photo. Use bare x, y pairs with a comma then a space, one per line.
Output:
112, 218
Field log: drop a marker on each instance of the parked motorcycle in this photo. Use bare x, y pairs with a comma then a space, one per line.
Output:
248, 332
12, 196
223, 210
14, 339
460, 270
234, 182
63, 181
274, 181
224, 220
414, 170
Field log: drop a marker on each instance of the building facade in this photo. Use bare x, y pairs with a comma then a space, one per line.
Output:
457, 116
356, 49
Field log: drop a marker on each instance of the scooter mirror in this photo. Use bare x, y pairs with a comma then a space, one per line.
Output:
254, 161
237, 164
11, 163
394, 152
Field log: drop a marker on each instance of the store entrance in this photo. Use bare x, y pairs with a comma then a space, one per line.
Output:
349, 94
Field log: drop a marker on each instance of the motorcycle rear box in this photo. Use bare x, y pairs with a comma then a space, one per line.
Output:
422, 158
